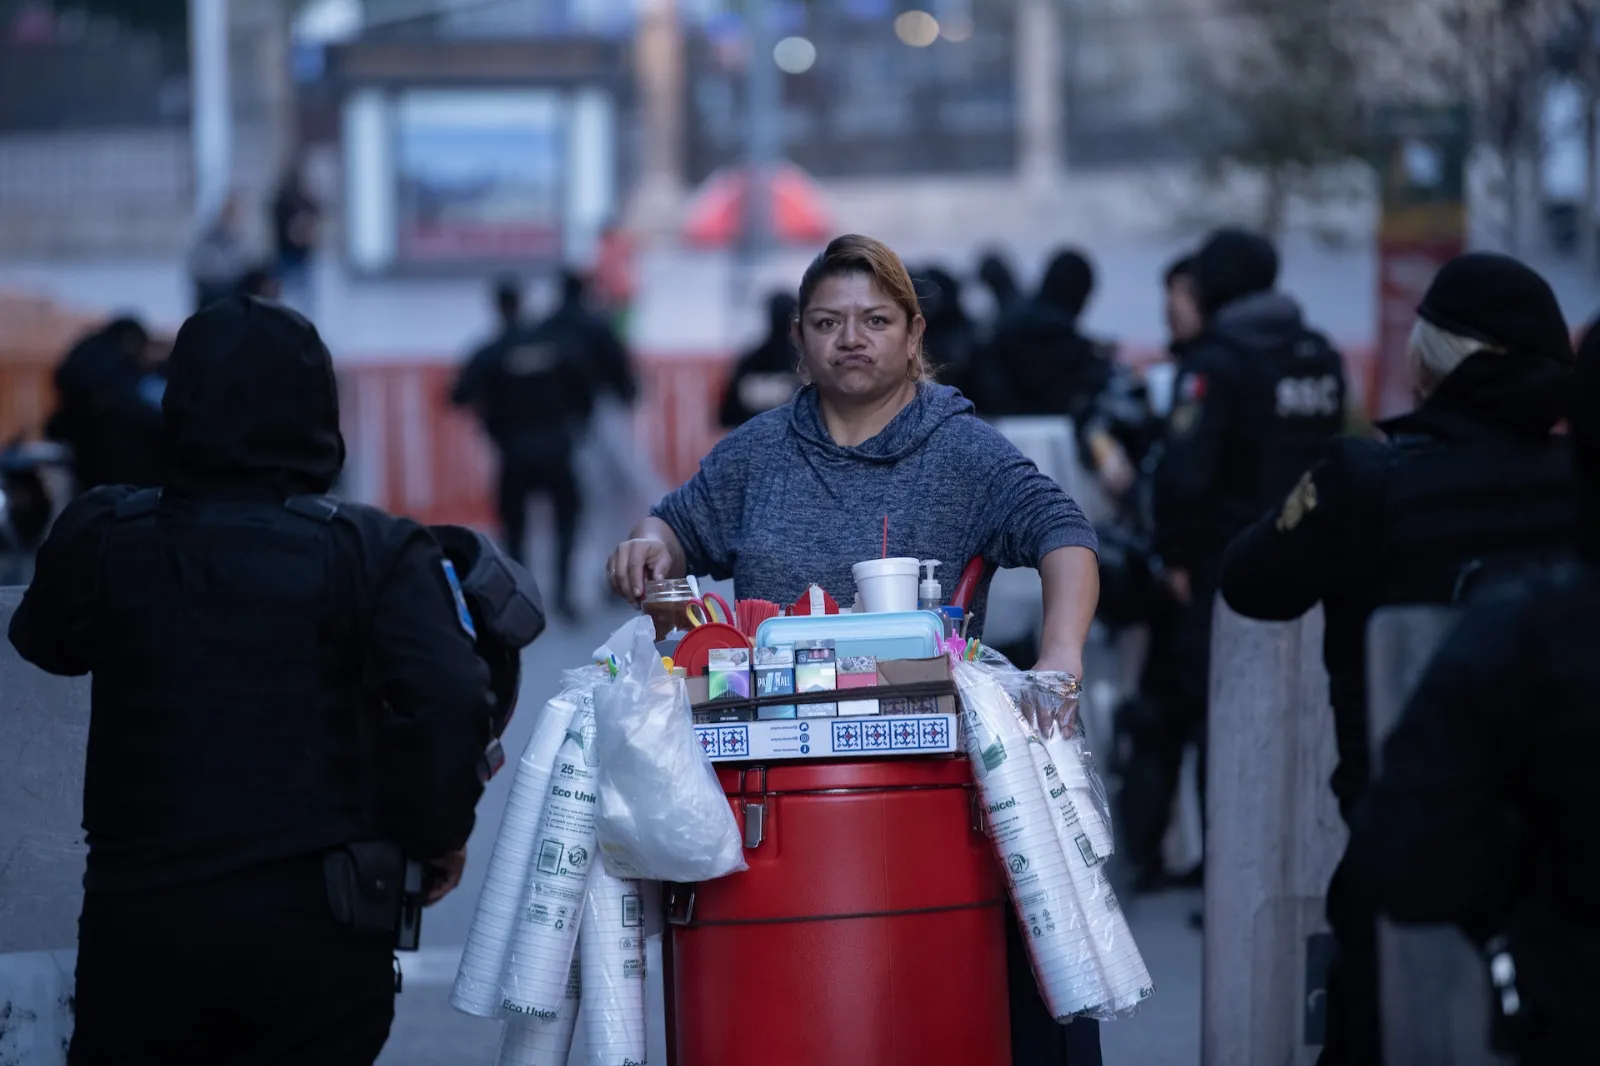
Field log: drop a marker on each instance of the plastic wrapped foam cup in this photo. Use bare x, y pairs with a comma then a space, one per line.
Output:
533, 1041
478, 982
886, 585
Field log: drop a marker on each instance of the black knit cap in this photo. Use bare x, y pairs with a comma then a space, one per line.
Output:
1501, 301
1232, 264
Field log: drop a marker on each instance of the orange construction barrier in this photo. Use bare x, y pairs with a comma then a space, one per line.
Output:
412, 453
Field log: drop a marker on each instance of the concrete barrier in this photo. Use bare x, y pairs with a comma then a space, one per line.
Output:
44, 729
1273, 838
1434, 984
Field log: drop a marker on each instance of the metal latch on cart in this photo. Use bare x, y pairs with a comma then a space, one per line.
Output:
755, 810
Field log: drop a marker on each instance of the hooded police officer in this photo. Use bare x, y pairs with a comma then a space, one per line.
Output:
1483, 816
286, 704
1468, 488
1258, 396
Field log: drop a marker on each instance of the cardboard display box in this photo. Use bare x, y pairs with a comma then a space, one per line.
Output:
829, 738
917, 716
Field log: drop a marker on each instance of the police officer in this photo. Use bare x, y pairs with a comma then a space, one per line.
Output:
1039, 361
1258, 396
534, 387
286, 704
1467, 486
1483, 816
103, 416
766, 376
1155, 724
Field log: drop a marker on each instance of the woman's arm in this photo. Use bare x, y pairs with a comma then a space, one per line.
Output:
1071, 579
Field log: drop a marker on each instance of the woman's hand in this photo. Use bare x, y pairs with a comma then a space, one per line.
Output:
1050, 702
636, 561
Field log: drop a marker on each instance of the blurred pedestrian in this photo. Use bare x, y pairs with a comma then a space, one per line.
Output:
1258, 397
296, 229
766, 376
1181, 304
1040, 362
534, 389
1155, 725
105, 413
951, 337
285, 708
1483, 816
1469, 484
218, 258
1001, 282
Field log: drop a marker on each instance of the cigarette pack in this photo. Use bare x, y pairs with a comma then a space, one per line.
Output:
728, 670
858, 671
775, 677
815, 670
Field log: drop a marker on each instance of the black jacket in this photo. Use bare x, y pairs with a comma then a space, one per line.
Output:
274, 673
1038, 363
1468, 486
1484, 815
103, 416
765, 376
535, 386
1258, 397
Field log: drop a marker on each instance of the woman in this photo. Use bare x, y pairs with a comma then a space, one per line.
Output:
800, 493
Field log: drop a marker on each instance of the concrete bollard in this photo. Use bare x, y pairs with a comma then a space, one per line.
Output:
44, 730
1273, 838
1435, 987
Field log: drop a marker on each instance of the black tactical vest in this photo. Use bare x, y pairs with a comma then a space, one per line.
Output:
1471, 510
1291, 403
229, 727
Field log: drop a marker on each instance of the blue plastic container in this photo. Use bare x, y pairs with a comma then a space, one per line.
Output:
890, 635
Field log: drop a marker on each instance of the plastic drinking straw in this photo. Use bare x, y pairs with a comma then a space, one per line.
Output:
885, 537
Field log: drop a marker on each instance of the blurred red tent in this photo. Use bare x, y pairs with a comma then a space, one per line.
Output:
716, 215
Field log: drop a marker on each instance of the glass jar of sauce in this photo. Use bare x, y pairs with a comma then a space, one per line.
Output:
667, 604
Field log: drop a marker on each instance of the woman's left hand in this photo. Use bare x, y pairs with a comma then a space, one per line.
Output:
1046, 709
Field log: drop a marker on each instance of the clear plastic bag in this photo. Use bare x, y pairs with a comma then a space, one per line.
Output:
662, 812
1083, 955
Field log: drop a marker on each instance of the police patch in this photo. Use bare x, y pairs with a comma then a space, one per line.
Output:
1192, 388
1301, 502
1184, 418
463, 615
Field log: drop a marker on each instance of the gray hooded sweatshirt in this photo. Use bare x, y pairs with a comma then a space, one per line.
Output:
778, 505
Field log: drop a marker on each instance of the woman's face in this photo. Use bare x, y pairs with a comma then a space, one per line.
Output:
855, 342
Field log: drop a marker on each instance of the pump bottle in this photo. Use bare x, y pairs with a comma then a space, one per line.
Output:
930, 594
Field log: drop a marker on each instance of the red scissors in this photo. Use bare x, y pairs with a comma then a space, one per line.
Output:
710, 608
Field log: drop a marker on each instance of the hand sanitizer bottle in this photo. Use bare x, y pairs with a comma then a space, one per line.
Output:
930, 594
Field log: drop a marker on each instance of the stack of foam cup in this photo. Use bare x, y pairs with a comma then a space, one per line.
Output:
533, 1041
1073, 759
483, 961
1120, 981
611, 947
1125, 978
1022, 827
546, 935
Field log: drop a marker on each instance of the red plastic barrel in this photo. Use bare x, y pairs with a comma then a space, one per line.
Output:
868, 930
